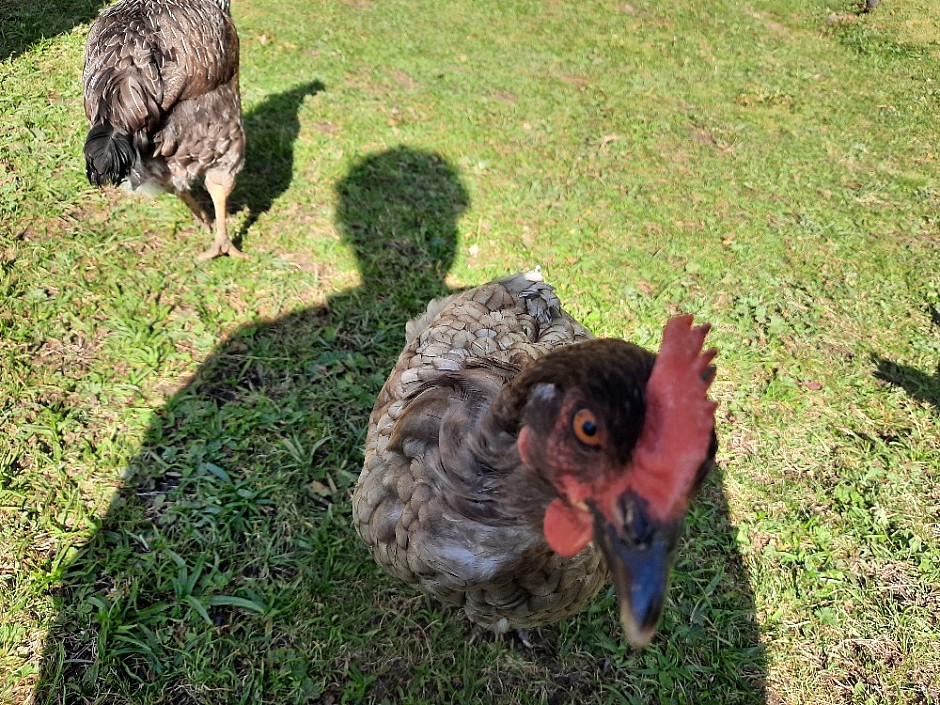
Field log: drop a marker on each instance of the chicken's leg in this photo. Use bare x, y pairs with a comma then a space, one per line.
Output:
219, 185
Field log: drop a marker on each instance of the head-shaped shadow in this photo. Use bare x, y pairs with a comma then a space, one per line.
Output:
227, 570
398, 210
920, 385
271, 129
22, 24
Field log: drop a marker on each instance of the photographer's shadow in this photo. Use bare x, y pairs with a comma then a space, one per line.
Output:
226, 519
227, 569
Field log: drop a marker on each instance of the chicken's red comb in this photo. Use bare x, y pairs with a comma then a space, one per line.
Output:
679, 419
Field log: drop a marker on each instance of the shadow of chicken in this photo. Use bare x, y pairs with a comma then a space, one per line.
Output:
161, 94
514, 464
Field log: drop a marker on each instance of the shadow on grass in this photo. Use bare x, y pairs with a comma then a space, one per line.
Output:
920, 385
229, 552
25, 22
227, 570
271, 130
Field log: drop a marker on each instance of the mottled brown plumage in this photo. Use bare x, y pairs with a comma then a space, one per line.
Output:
469, 443
161, 94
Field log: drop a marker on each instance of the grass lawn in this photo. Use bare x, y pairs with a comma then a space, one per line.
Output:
178, 441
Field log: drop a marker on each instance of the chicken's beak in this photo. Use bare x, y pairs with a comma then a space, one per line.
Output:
639, 554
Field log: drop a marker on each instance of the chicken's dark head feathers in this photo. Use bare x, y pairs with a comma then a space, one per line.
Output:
606, 376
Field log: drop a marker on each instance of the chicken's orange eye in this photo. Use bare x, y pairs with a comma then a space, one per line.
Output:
584, 426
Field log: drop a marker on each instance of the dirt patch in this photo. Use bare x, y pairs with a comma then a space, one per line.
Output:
704, 137
72, 355
403, 79
575, 79
505, 97
306, 263
769, 23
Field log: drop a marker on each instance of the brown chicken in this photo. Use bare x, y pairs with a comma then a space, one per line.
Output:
161, 94
513, 463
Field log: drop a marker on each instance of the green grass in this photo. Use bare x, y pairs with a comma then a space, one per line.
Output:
179, 440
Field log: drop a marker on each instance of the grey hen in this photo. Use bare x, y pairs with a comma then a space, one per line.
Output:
514, 464
161, 94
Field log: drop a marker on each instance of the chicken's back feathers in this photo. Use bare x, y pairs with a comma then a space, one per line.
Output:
433, 502
162, 76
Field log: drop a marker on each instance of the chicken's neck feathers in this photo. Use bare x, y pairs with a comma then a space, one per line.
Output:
470, 456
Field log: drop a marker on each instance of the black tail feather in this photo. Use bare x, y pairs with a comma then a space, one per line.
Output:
109, 155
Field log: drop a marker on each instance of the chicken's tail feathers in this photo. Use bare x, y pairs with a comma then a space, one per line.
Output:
109, 154
124, 107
